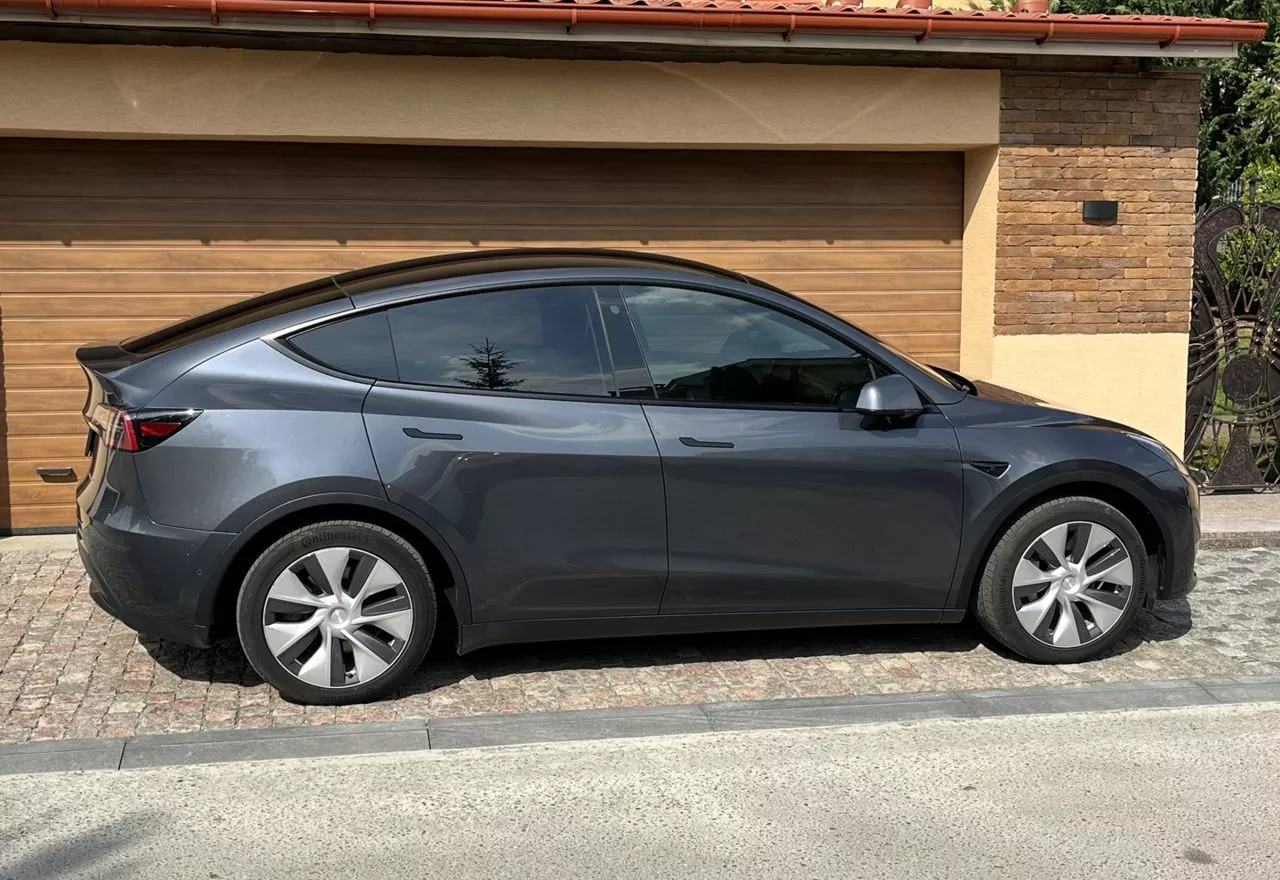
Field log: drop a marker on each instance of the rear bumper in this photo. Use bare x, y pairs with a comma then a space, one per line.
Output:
152, 578
145, 624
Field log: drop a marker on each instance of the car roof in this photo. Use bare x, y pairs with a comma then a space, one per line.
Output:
485, 262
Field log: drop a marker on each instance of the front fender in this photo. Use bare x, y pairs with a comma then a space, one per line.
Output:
991, 503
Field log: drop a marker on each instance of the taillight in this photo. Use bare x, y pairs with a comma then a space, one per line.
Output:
140, 430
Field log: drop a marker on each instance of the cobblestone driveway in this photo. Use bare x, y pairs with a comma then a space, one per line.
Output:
68, 670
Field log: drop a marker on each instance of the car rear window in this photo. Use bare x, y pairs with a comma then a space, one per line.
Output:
249, 311
360, 345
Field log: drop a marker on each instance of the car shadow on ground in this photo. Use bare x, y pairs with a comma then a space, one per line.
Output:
224, 663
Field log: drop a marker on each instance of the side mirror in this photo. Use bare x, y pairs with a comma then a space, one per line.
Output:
891, 397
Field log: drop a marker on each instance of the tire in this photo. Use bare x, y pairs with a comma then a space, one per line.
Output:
321, 647
1083, 617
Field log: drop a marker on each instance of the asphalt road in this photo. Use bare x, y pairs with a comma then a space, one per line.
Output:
1155, 793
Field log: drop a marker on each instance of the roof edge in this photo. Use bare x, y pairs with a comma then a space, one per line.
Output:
921, 30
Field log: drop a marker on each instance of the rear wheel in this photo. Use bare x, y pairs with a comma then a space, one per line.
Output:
1064, 582
336, 613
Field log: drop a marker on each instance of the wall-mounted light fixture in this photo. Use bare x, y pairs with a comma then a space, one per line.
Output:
1101, 211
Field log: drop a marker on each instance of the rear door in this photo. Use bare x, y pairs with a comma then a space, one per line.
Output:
509, 431
779, 499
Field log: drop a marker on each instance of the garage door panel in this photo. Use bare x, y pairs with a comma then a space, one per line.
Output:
902, 276
872, 302
103, 240
46, 516
461, 238
217, 160
38, 352
87, 329
139, 305
68, 398
61, 422
56, 376
869, 190
359, 220
233, 258
46, 447
38, 493
909, 322
194, 282
25, 471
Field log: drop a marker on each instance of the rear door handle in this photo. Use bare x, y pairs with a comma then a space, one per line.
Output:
706, 444
419, 434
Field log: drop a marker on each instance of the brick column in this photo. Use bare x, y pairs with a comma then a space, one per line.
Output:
1066, 139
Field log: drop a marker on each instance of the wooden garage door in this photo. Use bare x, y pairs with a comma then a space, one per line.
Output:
105, 239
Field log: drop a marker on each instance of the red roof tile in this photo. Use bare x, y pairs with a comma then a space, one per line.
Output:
753, 16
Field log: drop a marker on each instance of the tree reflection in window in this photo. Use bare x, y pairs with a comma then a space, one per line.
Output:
492, 368
542, 340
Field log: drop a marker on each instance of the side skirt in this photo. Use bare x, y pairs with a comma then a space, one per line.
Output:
481, 635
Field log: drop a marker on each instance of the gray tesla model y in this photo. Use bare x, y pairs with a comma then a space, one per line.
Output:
563, 444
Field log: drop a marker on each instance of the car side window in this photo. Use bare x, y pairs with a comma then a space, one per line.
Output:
360, 345
712, 347
544, 340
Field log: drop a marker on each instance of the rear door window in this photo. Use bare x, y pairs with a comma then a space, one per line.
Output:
544, 340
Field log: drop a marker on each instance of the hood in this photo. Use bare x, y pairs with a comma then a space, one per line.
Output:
1067, 415
991, 391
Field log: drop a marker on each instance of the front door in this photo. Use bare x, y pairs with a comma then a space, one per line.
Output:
777, 500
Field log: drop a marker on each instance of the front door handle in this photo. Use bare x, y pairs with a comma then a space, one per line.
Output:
419, 434
706, 444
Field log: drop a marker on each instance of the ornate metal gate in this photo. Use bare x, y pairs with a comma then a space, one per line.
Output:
1233, 373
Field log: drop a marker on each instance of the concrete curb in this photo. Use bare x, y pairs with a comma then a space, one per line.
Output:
1239, 540
218, 746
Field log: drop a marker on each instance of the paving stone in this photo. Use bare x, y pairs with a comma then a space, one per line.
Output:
67, 670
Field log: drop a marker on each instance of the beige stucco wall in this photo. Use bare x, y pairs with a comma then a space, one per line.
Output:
978, 271
1134, 378
165, 92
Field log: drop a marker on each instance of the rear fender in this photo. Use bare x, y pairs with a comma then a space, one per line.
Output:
327, 505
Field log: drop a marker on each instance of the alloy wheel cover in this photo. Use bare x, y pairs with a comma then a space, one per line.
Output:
1072, 584
338, 617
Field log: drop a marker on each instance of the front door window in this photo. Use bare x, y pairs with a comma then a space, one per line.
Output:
709, 347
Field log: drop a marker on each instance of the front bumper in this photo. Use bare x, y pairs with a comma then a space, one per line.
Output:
1177, 509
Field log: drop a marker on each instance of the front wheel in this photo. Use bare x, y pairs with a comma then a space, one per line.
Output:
337, 613
1065, 582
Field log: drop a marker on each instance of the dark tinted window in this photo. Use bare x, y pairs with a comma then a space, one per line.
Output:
542, 340
707, 346
359, 345
258, 308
